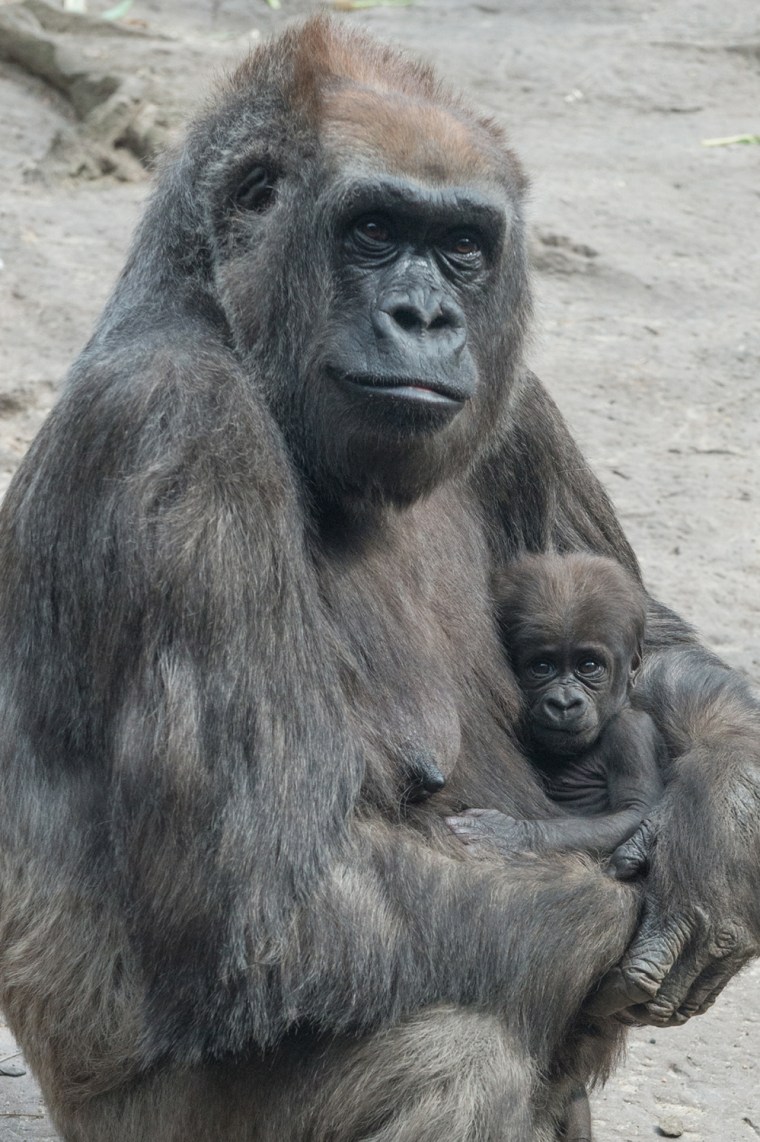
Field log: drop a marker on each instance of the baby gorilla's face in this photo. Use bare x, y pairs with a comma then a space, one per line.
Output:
571, 691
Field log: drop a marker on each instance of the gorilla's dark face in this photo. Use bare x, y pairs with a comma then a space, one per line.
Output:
412, 266
404, 378
410, 298
572, 688
573, 627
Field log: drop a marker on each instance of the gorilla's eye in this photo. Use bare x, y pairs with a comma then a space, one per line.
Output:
464, 246
372, 233
589, 668
541, 669
257, 190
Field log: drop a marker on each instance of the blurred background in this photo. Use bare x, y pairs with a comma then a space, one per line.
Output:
639, 124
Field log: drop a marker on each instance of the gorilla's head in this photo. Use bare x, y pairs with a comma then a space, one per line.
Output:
364, 243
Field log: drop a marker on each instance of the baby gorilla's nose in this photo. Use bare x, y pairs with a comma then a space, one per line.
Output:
562, 706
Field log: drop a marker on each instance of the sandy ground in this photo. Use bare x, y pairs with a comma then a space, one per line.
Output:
647, 251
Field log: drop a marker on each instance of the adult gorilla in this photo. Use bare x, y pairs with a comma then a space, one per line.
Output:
245, 579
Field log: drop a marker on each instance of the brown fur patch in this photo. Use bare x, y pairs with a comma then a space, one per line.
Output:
326, 50
406, 135
364, 98
369, 98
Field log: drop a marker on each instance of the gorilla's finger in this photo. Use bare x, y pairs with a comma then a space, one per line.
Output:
649, 960
577, 1125
710, 984
700, 975
462, 829
663, 1010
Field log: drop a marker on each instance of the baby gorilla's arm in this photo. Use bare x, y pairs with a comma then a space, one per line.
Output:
632, 751
508, 835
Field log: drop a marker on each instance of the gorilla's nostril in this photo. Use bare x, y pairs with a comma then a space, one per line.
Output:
408, 318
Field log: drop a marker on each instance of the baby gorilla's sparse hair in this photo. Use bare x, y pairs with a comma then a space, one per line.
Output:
572, 597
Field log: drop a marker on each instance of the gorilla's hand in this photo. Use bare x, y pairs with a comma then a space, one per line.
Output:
700, 854
506, 835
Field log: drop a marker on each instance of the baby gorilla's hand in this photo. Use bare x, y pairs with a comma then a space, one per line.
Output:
480, 827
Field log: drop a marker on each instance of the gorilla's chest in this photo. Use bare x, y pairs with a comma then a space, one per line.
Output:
412, 605
581, 787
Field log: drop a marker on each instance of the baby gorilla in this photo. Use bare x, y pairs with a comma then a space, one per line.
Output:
574, 628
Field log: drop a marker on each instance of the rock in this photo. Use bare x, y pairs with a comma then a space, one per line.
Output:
670, 1128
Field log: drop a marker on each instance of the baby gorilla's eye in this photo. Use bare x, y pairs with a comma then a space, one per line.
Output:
540, 669
589, 668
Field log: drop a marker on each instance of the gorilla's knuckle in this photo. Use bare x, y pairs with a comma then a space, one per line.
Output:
691, 1008
704, 1005
682, 927
660, 1016
726, 940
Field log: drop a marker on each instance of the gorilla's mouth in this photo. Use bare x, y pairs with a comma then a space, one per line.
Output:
571, 739
443, 395
569, 729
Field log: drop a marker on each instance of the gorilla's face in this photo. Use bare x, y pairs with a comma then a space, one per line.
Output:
411, 269
573, 684
404, 375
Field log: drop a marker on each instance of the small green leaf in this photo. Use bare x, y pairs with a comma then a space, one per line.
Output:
729, 140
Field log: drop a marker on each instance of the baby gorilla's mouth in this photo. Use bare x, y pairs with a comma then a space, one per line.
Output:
567, 740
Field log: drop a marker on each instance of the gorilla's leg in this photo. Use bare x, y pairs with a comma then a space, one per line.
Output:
577, 1122
448, 1072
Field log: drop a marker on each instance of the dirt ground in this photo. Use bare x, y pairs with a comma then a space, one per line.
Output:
647, 252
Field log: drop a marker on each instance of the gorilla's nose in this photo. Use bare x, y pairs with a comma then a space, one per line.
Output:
424, 324
426, 316
561, 707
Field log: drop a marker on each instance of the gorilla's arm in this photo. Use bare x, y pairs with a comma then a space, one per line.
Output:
507, 835
164, 641
403, 922
702, 843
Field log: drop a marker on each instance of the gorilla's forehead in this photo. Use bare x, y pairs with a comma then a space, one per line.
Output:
407, 136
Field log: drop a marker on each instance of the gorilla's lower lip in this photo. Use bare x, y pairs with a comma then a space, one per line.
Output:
406, 390
566, 731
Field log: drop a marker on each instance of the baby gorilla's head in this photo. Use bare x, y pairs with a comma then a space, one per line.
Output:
574, 629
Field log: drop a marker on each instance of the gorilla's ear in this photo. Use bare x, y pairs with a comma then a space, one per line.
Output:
636, 661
